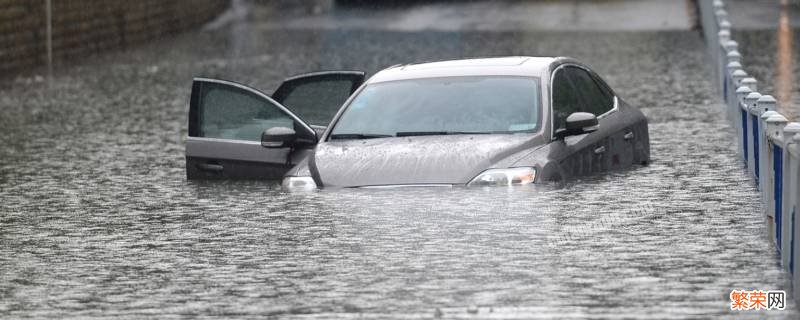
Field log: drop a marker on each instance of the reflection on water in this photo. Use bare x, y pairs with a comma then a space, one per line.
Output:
784, 72
97, 219
768, 54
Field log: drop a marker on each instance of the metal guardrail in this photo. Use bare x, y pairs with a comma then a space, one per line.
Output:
768, 144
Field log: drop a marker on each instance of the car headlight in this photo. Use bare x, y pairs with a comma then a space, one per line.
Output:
504, 177
298, 184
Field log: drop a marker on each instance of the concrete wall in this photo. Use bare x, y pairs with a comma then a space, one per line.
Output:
82, 27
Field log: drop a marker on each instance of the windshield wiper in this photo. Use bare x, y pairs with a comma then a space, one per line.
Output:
344, 136
436, 133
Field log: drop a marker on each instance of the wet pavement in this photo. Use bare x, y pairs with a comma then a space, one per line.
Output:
97, 219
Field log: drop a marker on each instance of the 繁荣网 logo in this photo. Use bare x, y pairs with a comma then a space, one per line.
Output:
758, 300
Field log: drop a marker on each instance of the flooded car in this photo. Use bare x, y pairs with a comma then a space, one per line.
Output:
492, 121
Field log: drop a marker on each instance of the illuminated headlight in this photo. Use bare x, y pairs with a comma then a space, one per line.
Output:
298, 184
504, 177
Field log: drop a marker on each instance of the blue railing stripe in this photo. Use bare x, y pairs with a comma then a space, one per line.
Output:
725, 90
777, 165
755, 144
744, 134
791, 247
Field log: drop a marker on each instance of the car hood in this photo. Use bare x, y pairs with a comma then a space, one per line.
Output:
451, 159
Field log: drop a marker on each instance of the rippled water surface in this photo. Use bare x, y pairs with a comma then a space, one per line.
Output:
768, 33
98, 220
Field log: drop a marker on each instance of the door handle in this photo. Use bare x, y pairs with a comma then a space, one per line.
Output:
628, 136
600, 150
211, 167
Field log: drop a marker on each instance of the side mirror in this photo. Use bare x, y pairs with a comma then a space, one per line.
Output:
578, 123
278, 137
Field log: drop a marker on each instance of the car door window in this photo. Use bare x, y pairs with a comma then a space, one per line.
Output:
595, 100
565, 99
317, 102
228, 112
317, 97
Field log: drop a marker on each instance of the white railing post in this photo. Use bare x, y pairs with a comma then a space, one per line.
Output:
718, 14
751, 101
793, 174
765, 103
725, 25
789, 199
766, 193
734, 55
721, 14
708, 18
729, 94
741, 93
719, 61
735, 80
767, 180
775, 124
737, 76
733, 66
729, 53
724, 33
751, 83
731, 45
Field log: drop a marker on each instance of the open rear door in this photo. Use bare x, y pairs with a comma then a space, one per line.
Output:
316, 97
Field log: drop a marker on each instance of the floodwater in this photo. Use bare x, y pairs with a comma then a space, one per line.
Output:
768, 33
97, 219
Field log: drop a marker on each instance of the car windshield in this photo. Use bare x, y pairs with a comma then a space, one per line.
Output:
449, 105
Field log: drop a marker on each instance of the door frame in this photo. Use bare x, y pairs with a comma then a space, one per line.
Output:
564, 65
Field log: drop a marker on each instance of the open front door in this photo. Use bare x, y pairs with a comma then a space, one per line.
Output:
316, 97
226, 121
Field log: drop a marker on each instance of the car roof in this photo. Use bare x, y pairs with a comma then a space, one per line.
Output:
505, 66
